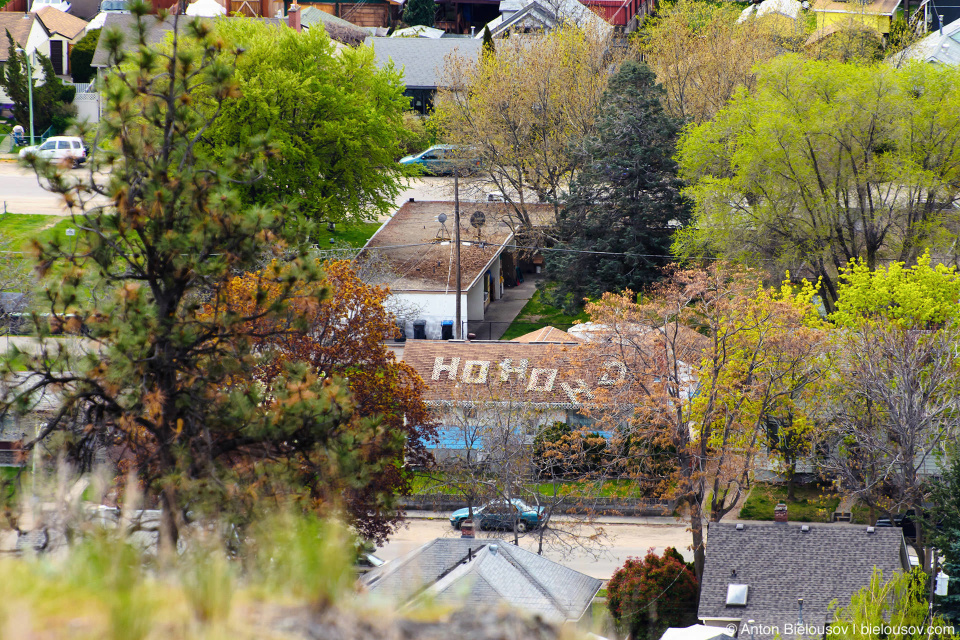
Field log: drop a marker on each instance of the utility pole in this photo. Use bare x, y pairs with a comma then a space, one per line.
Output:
456, 224
29, 90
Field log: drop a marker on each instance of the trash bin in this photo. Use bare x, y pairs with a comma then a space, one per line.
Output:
419, 329
446, 330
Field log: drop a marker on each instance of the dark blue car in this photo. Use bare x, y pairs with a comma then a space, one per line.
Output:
501, 515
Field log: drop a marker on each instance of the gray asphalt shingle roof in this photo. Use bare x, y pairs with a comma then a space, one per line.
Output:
441, 571
780, 563
421, 59
156, 32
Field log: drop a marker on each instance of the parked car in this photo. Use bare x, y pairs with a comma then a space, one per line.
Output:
442, 159
59, 147
501, 514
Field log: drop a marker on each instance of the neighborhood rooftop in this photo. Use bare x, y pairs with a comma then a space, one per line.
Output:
408, 243
485, 573
421, 59
781, 562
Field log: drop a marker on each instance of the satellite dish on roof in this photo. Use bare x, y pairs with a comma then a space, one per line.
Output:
477, 219
442, 218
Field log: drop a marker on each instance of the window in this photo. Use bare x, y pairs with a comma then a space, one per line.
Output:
63, 144
46, 146
737, 595
76, 144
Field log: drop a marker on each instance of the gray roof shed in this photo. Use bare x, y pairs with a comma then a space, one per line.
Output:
483, 573
780, 562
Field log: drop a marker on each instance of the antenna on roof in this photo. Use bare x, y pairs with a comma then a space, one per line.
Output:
443, 234
477, 220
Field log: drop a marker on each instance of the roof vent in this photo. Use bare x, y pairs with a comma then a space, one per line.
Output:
805, 528
871, 529
739, 526
494, 548
737, 595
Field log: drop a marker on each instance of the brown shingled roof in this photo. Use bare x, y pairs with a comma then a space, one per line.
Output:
501, 371
408, 243
18, 24
56, 21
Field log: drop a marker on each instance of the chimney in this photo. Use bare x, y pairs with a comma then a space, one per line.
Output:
780, 513
473, 32
293, 17
466, 529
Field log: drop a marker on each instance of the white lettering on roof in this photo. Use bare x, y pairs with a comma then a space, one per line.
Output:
451, 369
506, 368
574, 394
536, 385
475, 371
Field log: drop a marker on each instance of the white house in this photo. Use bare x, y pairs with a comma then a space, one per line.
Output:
415, 254
62, 32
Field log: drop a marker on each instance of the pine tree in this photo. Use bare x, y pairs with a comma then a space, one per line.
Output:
420, 12
626, 202
946, 515
488, 41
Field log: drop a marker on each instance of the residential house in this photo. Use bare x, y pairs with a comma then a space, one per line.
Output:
536, 16
422, 61
470, 574
27, 33
63, 32
338, 29
939, 47
416, 254
363, 13
780, 574
878, 14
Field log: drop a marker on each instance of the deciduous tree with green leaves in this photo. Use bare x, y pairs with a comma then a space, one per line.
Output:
81, 55
335, 119
825, 162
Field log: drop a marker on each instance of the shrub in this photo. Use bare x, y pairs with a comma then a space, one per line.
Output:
82, 55
645, 597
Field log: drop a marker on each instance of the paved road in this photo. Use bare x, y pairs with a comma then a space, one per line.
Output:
623, 539
20, 192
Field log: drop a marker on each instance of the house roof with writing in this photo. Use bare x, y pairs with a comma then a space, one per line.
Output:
537, 373
418, 250
780, 562
58, 22
479, 573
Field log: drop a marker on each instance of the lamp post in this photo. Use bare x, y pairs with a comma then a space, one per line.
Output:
29, 91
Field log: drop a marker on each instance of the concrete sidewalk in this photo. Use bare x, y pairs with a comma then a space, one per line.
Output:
501, 313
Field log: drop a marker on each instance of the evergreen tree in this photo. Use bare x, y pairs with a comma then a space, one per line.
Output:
81, 55
946, 513
626, 202
419, 12
488, 46
52, 100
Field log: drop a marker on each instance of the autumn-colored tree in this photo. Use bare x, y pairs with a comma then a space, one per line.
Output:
696, 368
343, 336
646, 597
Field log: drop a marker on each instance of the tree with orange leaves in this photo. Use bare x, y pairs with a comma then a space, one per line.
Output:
697, 367
342, 335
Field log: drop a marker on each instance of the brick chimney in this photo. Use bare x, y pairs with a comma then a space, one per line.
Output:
780, 513
293, 17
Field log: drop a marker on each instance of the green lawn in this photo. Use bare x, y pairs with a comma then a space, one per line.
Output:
427, 483
815, 503
537, 314
356, 235
21, 228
